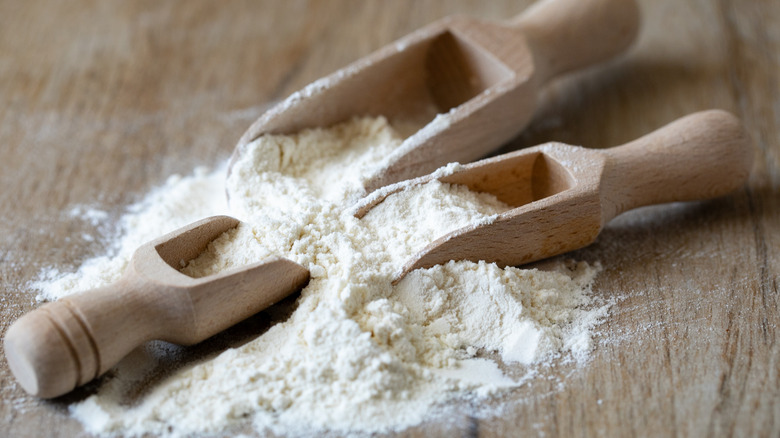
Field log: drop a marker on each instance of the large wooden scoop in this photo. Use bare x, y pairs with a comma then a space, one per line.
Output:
482, 79
69, 342
562, 196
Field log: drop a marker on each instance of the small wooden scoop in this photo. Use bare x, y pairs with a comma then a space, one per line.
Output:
482, 79
563, 195
69, 342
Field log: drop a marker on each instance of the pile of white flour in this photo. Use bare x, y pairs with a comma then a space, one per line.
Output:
358, 354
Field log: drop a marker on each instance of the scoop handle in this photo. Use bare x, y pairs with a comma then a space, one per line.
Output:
565, 35
700, 156
69, 342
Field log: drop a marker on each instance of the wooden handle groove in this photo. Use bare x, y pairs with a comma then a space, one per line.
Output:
69, 342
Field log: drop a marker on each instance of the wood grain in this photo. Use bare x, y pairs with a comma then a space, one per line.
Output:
100, 101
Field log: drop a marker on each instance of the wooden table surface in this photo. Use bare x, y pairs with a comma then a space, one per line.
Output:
102, 100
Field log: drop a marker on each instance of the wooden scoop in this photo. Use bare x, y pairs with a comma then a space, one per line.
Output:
69, 342
562, 196
482, 79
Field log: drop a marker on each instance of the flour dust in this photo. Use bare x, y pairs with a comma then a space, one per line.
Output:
358, 354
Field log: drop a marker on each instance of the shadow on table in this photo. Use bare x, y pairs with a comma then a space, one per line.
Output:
593, 108
644, 239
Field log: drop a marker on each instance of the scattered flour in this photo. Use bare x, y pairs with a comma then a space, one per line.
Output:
180, 201
357, 355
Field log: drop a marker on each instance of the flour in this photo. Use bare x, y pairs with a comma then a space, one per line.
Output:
334, 162
357, 354
412, 218
521, 314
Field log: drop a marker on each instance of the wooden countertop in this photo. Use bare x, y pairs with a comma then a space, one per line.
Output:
100, 101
